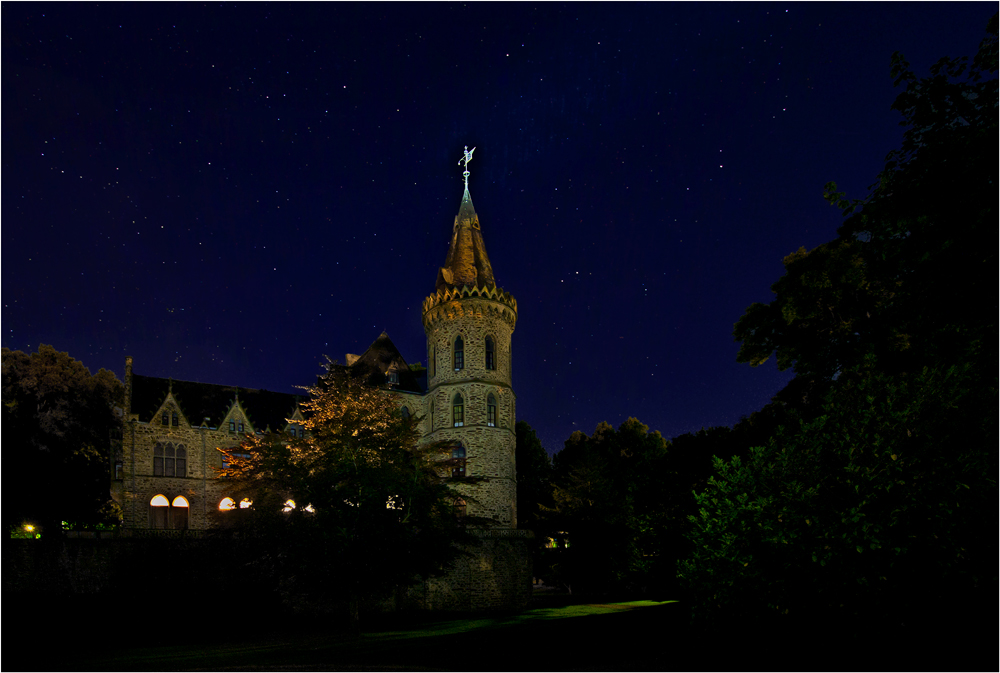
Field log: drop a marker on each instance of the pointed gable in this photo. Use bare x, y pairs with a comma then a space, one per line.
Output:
380, 361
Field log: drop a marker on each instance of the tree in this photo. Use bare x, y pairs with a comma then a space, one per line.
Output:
871, 497
905, 276
353, 510
58, 421
871, 510
534, 476
609, 497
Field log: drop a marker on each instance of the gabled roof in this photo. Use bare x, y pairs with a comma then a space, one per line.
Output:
265, 409
466, 262
381, 357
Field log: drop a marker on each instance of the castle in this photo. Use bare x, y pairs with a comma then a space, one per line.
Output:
165, 465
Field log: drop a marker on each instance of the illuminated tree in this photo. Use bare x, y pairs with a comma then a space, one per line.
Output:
353, 510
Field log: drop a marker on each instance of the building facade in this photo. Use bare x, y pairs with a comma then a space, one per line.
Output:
166, 463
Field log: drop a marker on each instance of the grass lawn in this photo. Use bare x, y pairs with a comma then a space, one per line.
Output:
582, 636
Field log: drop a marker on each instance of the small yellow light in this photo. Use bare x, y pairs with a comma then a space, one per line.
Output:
28, 527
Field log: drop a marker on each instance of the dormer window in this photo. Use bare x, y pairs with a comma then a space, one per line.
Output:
459, 354
239, 426
232, 426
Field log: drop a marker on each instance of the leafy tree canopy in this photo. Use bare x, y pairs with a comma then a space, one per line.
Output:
905, 276
58, 421
534, 476
372, 510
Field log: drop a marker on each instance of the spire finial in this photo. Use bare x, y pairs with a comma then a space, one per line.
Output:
466, 159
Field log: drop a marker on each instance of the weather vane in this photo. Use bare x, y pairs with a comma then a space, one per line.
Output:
467, 158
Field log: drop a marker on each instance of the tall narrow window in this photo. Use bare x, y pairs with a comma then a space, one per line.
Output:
491, 411
458, 461
458, 411
159, 508
165, 419
232, 426
239, 426
491, 362
179, 513
432, 360
181, 461
158, 460
459, 354
175, 420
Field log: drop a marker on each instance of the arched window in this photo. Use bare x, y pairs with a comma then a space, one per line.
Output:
181, 461
458, 411
165, 418
179, 513
227, 505
164, 460
159, 511
491, 411
459, 354
175, 420
459, 508
432, 360
458, 461
491, 361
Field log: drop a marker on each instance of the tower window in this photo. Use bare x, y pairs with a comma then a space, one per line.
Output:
491, 362
459, 354
458, 411
458, 461
491, 411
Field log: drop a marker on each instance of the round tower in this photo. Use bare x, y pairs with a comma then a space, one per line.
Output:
470, 401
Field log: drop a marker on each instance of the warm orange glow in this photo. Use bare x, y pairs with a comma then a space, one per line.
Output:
180, 501
159, 501
245, 503
28, 527
227, 504
289, 505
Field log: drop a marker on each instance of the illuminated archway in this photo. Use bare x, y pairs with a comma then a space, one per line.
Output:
159, 511
289, 505
246, 503
227, 505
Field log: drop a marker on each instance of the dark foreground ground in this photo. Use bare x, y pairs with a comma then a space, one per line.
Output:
556, 633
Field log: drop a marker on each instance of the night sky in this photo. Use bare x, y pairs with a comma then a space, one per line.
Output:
229, 192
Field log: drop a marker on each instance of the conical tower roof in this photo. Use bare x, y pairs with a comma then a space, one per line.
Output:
467, 262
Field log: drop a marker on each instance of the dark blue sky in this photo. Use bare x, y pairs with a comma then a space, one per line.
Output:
228, 192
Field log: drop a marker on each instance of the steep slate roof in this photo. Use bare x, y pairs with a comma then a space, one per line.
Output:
466, 263
200, 400
381, 356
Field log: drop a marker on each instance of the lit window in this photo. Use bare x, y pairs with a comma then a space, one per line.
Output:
459, 354
491, 362
245, 503
159, 512
458, 461
491, 411
179, 513
289, 505
310, 509
458, 411
227, 505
